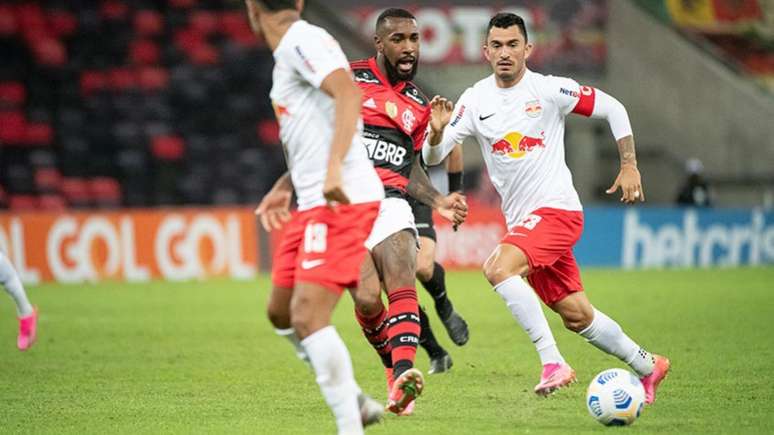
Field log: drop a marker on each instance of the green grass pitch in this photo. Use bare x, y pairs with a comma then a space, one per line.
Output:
200, 357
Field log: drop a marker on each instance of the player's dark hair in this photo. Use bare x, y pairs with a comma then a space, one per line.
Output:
393, 13
503, 20
277, 5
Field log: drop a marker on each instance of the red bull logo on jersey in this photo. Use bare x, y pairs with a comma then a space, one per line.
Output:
516, 145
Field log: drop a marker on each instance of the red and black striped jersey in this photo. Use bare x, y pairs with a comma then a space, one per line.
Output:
395, 122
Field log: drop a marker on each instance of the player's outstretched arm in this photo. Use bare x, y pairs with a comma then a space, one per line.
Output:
440, 114
274, 209
597, 104
347, 98
452, 207
629, 179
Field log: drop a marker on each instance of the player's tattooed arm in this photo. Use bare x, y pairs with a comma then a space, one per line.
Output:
629, 179
626, 151
420, 187
452, 207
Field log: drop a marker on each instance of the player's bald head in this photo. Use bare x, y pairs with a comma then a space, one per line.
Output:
383, 23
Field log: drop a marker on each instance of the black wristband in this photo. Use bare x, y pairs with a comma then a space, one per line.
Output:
455, 181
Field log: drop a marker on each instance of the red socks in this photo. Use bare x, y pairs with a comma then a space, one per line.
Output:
404, 328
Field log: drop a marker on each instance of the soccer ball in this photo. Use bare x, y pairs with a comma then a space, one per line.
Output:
615, 397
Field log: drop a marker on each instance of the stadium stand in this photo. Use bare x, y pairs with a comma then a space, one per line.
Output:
118, 103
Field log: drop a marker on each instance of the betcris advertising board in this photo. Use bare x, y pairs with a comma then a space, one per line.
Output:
641, 237
633, 238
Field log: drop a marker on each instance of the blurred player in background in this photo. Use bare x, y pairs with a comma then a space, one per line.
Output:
517, 116
28, 316
395, 115
339, 192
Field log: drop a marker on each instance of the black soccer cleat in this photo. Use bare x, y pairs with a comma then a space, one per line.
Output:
457, 328
440, 364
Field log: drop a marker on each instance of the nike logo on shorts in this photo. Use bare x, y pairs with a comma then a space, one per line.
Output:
311, 264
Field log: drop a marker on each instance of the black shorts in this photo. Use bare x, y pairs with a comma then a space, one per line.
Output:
423, 218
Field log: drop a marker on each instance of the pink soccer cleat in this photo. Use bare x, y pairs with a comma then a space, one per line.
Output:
28, 326
390, 381
554, 377
405, 389
651, 382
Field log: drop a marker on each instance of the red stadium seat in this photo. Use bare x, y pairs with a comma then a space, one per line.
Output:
14, 127
76, 191
144, 52
92, 81
47, 180
39, 134
167, 147
148, 23
204, 54
62, 23
152, 79
204, 22
182, 4
12, 94
121, 79
105, 191
8, 23
30, 15
50, 52
114, 10
22, 202
187, 39
51, 202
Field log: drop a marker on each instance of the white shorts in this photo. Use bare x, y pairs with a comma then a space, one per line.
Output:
394, 215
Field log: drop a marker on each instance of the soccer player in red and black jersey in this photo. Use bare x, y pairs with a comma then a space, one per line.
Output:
395, 116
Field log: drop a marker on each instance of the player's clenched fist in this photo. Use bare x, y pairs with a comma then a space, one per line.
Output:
440, 113
453, 208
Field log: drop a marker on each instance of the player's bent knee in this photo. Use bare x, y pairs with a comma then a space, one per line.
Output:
278, 309
280, 319
495, 273
367, 301
425, 270
576, 321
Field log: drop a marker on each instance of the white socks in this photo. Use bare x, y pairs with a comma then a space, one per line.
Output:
333, 367
290, 335
605, 334
10, 281
525, 308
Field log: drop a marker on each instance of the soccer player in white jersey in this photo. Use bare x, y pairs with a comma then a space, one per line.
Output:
28, 316
517, 117
338, 190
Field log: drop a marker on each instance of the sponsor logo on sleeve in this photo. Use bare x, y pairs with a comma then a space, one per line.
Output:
459, 116
304, 59
564, 91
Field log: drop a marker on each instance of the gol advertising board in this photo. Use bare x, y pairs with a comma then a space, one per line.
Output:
131, 245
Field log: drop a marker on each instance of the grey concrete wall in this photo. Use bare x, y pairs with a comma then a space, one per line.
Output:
685, 103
